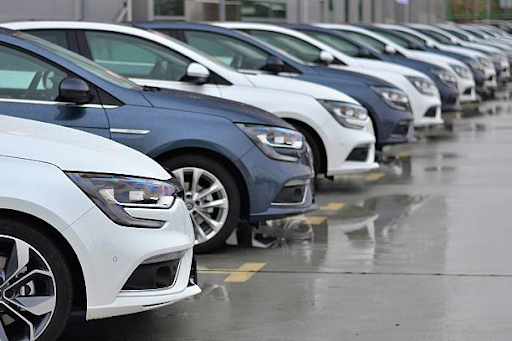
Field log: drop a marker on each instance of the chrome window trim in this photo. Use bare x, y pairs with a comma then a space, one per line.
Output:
68, 104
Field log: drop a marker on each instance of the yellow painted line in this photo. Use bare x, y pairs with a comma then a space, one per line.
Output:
242, 274
405, 155
315, 220
333, 206
245, 272
374, 177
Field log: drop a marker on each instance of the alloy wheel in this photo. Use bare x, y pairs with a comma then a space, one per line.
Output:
206, 199
27, 291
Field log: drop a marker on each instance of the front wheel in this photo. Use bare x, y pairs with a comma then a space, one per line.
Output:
212, 198
35, 284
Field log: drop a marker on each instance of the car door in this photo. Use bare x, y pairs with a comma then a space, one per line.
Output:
29, 88
143, 61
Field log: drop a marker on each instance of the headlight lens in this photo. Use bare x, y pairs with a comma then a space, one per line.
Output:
347, 114
477, 66
113, 193
395, 98
424, 85
487, 63
271, 139
462, 71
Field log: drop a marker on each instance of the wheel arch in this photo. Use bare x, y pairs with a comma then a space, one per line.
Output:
316, 136
230, 166
79, 289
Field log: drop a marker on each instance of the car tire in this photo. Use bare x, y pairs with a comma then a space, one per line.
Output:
45, 274
314, 148
226, 216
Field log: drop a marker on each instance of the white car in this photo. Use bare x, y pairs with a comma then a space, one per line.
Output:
421, 90
496, 54
481, 62
333, 123
465, 80
87, 222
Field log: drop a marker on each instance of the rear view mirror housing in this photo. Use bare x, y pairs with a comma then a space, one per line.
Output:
390, 49
326, 57
75, 90
197, 74
274, 65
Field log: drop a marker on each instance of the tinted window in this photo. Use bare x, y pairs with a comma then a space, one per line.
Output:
397, 40
412, 37
53, 36
289, 44
136, 57
228, 50
23, 76
338, 43
366, 40
437, 36
457, 34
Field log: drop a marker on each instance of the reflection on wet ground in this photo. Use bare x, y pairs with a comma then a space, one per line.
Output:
417, 250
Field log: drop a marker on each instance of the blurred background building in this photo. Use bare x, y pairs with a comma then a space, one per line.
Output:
390, 11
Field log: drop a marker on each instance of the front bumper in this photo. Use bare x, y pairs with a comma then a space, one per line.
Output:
109, 254
449, 98
266, 178
467, 90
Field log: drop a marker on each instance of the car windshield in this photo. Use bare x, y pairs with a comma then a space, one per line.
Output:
366, 40
440, 38
475, 34
459, 35
195, 50
82, 62
338, 43
395, 39
412, 37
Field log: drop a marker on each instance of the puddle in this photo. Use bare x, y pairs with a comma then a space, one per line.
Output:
440, 169
362, 220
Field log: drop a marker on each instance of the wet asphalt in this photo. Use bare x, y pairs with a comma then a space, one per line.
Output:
418, 250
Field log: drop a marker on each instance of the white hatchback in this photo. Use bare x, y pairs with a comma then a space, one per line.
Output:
87, 222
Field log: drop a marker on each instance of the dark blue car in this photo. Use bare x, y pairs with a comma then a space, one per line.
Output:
392, 120
349, 46
412, 42
215, 147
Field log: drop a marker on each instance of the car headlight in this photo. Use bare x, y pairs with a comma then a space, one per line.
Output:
113, 193
497, 58
487, 63
274, 141
348, 115
396, 99
424, 85
476, 66
462, 71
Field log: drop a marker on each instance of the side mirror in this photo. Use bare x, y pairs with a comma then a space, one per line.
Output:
430, 44
274, 65
75, 90
326, 57
390, 49
197, 73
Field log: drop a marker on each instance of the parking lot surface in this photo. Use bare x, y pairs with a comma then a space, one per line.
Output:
418, 250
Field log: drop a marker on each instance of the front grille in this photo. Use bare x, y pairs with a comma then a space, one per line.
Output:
292, 193
153, 276
402, 129
468, 91
491, 78
432, 112
450, 100
359, 154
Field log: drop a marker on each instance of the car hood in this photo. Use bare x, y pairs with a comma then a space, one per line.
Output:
73, 150
208, 105
351, 77
292, 85
382, 69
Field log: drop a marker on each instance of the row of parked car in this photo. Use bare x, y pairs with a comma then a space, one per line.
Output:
243, 115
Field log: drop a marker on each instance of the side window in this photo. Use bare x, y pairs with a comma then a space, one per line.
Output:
230, 51
289, 44
367, 40
54, 36
25, 77
135, 57
338, 43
